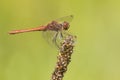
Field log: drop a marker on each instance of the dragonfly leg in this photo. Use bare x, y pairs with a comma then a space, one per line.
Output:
61, 35
55, 39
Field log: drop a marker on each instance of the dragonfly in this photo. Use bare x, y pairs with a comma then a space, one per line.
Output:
59, 26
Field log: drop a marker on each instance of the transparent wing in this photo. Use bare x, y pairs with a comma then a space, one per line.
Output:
65, 18
50, 37
53, 37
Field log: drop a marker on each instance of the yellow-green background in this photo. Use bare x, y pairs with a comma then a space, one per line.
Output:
28, 56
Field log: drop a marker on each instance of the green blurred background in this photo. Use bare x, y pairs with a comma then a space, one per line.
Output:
28, 56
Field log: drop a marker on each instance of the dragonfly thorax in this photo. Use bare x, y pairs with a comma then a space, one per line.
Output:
58, 26
54, 26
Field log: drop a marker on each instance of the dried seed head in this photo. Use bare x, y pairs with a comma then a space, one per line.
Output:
64, 57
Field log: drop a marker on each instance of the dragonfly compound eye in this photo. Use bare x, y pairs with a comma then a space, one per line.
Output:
66, 25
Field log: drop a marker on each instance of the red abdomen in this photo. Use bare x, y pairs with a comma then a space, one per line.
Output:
42, 28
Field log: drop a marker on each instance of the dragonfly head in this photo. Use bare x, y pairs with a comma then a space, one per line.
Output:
65, 25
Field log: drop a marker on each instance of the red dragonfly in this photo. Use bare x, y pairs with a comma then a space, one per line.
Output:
58, 26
